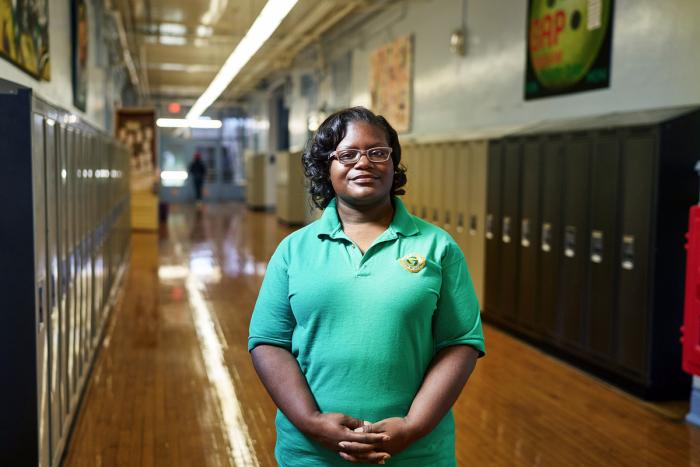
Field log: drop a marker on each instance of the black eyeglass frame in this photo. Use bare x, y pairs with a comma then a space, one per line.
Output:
358, 155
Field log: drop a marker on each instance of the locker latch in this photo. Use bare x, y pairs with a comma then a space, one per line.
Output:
525, 233
597, 246
473, 224
489, 226
570, 241
460, 222
627, 252
506, 230
546, 237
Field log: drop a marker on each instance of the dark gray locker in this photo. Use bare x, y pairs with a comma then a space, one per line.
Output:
510, 231
572, 302
634, 299
529, 240
492, 230
550, 234
603, 237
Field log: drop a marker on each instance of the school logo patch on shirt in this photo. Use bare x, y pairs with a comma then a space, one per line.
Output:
412, 262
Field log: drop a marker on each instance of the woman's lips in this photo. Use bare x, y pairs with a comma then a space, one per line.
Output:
363, 178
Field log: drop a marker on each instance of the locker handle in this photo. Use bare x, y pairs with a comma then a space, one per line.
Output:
40, 290
627, 252
570, 241
473, 224
546, 237
597, 246
447, 220
460, 222
506, 230
489, 226
525, 233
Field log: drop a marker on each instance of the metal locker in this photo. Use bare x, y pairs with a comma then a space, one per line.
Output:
449, 191
435, 184
63, 278
67, 245
41, 286
422, 187
55, 336
634, 299
492, 230
461, 207
510, 230
406, 154
550, 234
73, 177
575, 248
602, 255
529, 240
478, 154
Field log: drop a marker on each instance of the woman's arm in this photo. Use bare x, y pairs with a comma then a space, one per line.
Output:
446, 376
284, 381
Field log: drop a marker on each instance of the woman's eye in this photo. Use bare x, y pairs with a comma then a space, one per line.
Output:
376, 153
346, 155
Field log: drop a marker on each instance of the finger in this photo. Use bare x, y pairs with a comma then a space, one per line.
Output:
356, 448
366, 438
371, 458
352, 423
365, 428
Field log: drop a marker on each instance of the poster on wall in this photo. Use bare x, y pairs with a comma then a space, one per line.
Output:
24, 36
568, 46
79, 37
136, 129
390, 82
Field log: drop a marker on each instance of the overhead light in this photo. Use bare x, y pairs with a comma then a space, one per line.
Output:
204, 31
172, 29
172, 40
187, 123
264, 25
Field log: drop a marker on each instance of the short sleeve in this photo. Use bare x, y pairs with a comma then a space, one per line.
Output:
457, 319
272, 321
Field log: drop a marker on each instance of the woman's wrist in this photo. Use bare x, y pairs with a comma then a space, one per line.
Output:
415, 428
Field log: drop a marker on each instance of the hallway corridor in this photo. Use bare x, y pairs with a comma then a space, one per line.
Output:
173, 384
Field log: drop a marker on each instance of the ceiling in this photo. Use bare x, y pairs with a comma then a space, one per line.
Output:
178, 46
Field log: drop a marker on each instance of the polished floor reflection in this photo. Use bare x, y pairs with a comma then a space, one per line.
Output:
173, 384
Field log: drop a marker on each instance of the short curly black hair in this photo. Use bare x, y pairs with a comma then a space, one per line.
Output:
326, 139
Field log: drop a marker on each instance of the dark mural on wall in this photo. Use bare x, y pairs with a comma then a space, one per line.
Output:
24, 36
79, 36
568, 46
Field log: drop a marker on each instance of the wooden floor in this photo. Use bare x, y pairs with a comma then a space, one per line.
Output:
173, 384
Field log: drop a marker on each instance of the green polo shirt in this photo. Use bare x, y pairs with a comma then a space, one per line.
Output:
364, 328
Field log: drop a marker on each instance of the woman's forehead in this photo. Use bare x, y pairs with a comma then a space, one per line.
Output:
362, 131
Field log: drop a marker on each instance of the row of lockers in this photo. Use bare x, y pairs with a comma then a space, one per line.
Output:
447, 186
66, 240
584, 246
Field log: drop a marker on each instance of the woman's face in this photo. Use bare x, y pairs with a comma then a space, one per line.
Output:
364, 182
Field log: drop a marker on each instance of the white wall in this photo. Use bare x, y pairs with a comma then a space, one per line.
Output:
655, 64
59, 90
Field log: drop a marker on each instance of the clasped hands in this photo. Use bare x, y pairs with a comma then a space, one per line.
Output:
360, 441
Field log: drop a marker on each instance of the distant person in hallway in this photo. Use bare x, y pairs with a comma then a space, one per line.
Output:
197, 170
366, 327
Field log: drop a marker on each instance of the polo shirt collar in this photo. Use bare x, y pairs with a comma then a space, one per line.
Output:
402, 224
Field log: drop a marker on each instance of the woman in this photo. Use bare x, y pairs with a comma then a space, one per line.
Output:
366, 327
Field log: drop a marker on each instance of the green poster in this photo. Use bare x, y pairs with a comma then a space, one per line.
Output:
568, 46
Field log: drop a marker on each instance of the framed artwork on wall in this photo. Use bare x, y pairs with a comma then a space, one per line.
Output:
391, 75
24, 36
568, 46
79, 56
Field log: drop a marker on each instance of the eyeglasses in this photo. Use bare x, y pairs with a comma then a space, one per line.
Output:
351, 156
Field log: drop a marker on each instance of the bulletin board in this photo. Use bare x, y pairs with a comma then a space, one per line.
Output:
391, 76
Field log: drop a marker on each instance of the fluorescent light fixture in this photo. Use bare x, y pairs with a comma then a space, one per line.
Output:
188, 123
173, 29
264, 25
173, 175
172, 40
